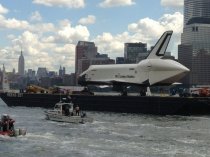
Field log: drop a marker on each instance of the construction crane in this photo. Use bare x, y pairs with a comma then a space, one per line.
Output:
37, 89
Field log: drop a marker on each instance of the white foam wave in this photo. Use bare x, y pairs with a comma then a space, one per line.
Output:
123, 134
98, 122
127, 124
188, 141
2, 137
47, 135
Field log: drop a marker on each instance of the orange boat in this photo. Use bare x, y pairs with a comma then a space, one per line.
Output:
7, 127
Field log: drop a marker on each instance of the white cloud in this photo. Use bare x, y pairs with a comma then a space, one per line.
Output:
65, 56
62, 3
112, 45
116, 3
173, 22
36, 16
145, 30
90, 19
42, 28
3, 10
151, 28
25, 25
13, 23
70, 34
42, 54
65, 49
172, 3
8, 58
11, 36
30, 42
43, 43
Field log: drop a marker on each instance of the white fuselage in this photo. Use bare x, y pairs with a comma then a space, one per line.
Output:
151, 71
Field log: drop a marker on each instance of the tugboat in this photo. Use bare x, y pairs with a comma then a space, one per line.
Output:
65, 112
7, 127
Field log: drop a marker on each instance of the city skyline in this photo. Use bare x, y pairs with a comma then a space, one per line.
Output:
48, 31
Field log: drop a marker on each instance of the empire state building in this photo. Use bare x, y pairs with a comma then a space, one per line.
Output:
21, 65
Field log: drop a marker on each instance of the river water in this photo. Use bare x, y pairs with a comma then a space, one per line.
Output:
110, 135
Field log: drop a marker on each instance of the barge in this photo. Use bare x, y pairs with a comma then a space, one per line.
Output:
156, 105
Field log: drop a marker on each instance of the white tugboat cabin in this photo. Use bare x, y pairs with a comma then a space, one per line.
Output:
64, 112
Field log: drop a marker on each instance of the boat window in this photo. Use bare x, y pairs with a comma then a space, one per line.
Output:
67, 105
57, 106
131, 69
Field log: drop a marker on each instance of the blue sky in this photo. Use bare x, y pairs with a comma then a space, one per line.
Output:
48, 30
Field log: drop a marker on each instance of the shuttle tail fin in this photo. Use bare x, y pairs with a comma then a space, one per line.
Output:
160, 47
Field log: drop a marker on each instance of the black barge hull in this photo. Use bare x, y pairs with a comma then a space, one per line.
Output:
124, 104
43, 100
147, 105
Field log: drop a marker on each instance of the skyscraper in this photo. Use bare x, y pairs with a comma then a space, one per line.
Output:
134, 52
60, 71
84, 51
194, 50
21, 65
196, 11
86, 54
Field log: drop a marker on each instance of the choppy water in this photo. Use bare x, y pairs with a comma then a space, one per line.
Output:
111, 134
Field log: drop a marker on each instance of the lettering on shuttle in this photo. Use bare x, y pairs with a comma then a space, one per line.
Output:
15, 94
124, 76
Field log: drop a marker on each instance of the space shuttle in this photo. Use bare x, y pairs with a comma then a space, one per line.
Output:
154, 70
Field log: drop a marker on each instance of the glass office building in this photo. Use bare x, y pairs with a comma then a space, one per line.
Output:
196, 11
194, 50
134, 52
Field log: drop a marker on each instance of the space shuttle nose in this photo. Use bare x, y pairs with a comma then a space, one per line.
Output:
185, 69
182, 68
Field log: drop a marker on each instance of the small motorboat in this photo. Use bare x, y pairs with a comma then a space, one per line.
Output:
64, 112
7, 127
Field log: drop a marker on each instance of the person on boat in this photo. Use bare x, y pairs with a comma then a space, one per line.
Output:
63, 110
11, 124
71, 109
5, 122
77, 110
67, 113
